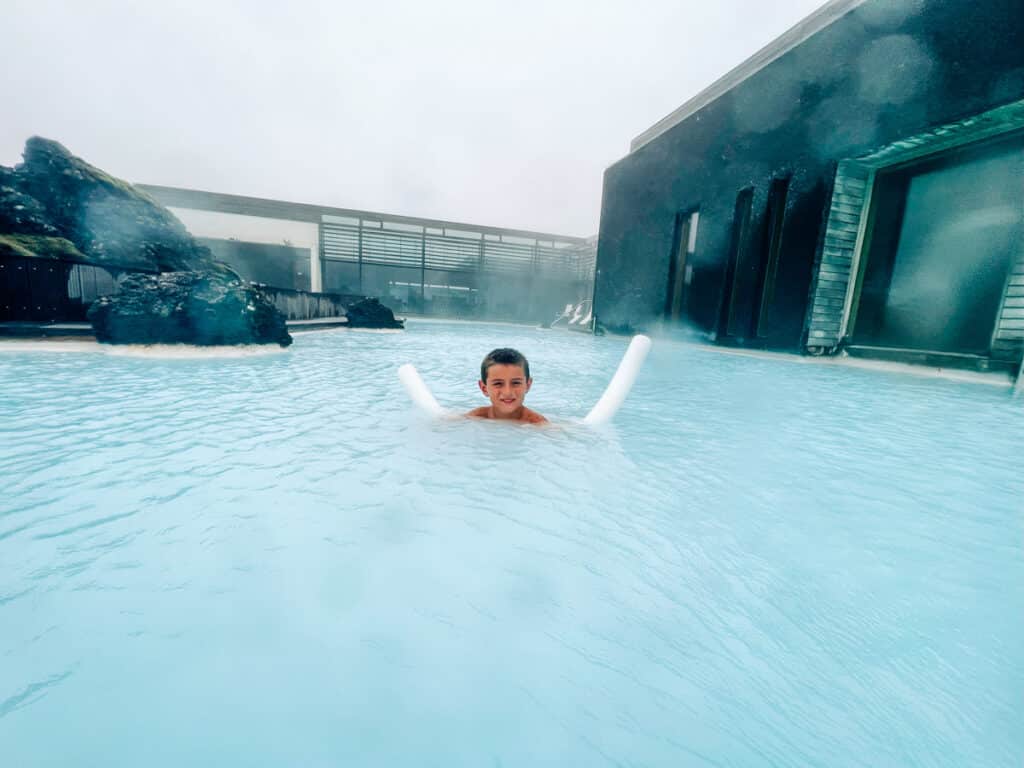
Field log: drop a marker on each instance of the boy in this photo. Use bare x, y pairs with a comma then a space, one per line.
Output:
505, 380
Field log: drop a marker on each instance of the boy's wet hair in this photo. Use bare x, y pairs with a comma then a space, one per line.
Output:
503, 356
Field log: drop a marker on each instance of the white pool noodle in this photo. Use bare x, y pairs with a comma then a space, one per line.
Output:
418, 390
618, 388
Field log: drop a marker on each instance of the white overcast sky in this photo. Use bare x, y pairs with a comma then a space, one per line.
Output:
499, 113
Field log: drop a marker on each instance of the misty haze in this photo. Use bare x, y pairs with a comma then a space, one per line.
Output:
546, 384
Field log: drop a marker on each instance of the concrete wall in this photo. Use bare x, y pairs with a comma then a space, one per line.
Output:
256, 229
882, 71
281, 266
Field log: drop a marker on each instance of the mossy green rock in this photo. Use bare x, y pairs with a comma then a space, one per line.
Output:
110, 223
39, 247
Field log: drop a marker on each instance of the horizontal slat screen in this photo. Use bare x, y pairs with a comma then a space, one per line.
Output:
389, 246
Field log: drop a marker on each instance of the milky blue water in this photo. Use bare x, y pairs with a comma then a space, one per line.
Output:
272, 561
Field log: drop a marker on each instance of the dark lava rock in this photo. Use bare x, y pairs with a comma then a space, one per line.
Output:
112, 224
21, 214
204, 308
370, 313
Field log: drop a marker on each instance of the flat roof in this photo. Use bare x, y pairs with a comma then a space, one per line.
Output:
817, 21
200, 200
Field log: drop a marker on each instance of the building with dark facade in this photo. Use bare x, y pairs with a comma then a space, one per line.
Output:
856, 186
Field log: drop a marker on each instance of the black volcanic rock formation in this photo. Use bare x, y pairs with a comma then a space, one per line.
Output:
204, 308
370, 313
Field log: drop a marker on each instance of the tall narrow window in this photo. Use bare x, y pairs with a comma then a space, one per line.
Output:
772, 245
680, 271
729, 316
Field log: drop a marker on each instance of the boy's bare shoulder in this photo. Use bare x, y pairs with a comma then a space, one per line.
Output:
532, 417
528, 417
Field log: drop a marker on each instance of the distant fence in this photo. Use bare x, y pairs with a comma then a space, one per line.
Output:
302, 305
45, 290
87, 283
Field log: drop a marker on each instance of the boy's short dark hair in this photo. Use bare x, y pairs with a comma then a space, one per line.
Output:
503, 356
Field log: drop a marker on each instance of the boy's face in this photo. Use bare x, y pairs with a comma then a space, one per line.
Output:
506, 386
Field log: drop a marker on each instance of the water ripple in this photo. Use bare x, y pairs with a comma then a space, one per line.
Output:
32, 693
760, 563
